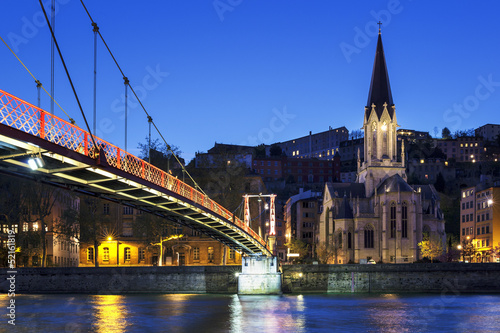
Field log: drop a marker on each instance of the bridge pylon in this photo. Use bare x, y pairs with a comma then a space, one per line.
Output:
259, 276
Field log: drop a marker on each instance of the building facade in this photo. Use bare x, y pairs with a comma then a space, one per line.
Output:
301, 217
480, 222
488, 132
321, 145
298, 170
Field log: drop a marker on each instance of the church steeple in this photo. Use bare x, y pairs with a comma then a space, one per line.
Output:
380, 88
381, 158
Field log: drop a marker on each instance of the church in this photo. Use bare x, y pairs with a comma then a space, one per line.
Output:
380, 216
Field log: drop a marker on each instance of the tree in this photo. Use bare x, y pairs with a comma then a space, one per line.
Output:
328, 252
440, 183
94, 224
298, 246
275, 150
260, 151
446, 133
356, 134
40, 201
431, 247
159, 154
151, 229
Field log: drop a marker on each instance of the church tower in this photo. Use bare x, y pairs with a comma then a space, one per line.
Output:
381, 158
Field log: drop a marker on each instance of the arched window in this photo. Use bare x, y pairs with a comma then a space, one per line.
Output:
393, 220
210, 254
126, 254
404, 220
369, 237
340, 239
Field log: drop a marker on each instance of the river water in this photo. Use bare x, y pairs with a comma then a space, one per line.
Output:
254, 314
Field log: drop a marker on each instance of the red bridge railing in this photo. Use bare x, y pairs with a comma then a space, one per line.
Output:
21, 115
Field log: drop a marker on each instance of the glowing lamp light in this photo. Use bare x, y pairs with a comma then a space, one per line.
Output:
490, 202
459, 246
110, 238
236, 274
384, 127
35, 162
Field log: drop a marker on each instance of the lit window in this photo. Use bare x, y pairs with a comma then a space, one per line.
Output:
35, 226
127, 254
90, 254
210, 254
196, 253
25, 226
105, 254
142, 254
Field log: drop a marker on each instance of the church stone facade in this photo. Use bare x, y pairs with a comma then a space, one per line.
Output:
380, 216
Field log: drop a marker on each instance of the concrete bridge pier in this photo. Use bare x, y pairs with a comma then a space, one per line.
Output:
259, 276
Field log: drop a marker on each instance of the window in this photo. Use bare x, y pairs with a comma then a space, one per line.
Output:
90, 254
478, 231
369, 237
487, 229
231, 254
196, 253
308, 234
393, 220
463, 231
128, 210
142, 254
404, 220
126, 254
210, 254
105, 209
482, 230
105, 254
35, 226
26, 226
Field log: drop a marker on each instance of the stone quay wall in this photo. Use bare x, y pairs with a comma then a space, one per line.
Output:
389, 278
124, 280
454, 278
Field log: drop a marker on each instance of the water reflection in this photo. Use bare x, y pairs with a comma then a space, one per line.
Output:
267, 313
389, 314
110, 313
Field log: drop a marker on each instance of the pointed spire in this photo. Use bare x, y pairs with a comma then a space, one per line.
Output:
380, 89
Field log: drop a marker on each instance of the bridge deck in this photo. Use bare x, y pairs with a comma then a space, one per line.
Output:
71, 161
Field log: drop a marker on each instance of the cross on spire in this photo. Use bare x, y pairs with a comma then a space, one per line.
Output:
379, 24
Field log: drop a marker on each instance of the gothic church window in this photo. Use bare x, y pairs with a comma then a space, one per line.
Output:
404, 220
393, 220
369, 237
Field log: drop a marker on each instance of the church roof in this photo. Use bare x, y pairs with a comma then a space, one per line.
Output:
380, 89
394, 184
339, 190
345, 211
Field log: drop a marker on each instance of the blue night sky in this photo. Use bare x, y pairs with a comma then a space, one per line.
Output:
251, 72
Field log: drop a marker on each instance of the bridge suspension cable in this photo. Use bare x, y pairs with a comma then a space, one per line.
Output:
67, 73
38, 83
150, 119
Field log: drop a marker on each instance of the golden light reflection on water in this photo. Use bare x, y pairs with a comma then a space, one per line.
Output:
390, 314
110, 313
178, 305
